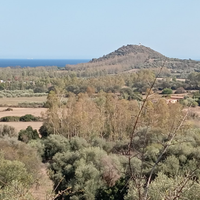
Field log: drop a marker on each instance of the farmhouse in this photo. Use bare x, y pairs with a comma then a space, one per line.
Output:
174, 99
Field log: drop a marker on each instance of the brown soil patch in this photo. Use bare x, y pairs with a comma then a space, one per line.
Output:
15, 101
23, 125
22, 111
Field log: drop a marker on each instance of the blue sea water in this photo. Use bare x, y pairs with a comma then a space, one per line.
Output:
40, 62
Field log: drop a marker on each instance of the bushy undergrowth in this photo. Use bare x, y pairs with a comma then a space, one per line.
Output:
99, 169
8, 131
28, 134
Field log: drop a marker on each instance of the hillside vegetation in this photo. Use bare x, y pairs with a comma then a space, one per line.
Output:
133, 57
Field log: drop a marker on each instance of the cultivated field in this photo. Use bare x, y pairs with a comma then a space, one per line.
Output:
20, 112
23, 125
15, 101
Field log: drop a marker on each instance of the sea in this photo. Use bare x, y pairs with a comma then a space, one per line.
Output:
40, 62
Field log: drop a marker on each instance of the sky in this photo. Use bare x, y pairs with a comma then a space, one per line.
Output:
86, 29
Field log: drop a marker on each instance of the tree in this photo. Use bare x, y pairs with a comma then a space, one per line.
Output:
28, 134
180, 90
167, 91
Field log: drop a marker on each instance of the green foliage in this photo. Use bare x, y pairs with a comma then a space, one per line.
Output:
127, 93
28, 118
116, 192
28, 134
16, 190
10, 119
82, 168
164, 187
189, 102
25, 118
54, 144
167, 91
13, 170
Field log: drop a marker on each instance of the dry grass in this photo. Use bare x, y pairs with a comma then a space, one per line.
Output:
22, 111
15, 101
23, 125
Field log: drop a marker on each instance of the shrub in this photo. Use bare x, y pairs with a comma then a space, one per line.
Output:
10, 119
85, 171
13, 170
28, 118
180, 90
167, 91
45, 131
28, 134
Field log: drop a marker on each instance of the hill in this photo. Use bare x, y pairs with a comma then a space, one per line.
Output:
131, 57
139, 52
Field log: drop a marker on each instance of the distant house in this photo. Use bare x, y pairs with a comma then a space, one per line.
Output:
174, 99
171, 101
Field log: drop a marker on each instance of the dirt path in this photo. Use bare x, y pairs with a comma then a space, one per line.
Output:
43, 187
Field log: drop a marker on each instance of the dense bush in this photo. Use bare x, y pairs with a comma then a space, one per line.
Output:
10, 119
28, 118
85, 168
25, 118
28, 134
167, 91
13, 170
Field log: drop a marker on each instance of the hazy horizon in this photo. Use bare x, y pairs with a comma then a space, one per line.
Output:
91, 29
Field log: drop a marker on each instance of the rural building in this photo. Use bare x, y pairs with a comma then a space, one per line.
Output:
174, 99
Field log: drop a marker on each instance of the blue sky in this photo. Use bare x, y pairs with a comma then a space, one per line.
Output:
72, 29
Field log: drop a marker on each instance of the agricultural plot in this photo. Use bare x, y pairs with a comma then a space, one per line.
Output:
22, 111
37, 112
23, 125
18, 100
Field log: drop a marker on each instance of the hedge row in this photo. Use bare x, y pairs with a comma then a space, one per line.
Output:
25, 118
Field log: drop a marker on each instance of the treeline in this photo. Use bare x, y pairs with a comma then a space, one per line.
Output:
41, 80
104, 116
